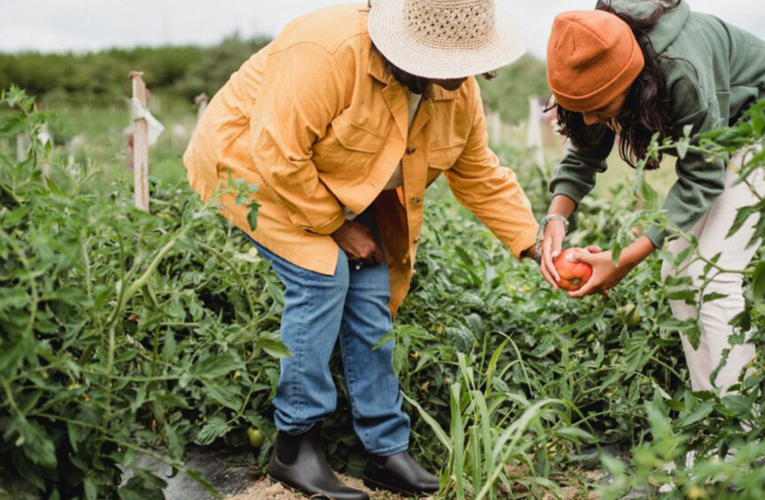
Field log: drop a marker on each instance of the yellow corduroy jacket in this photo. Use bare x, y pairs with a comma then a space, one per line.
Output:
319, 124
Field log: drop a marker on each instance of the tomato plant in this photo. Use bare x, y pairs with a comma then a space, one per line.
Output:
123, 332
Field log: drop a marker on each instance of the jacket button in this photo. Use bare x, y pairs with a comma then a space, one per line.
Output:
410, 151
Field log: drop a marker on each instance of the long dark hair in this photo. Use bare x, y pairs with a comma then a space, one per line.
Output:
645, 112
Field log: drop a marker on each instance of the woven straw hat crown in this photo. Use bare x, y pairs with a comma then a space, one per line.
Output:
445, 38
453, 24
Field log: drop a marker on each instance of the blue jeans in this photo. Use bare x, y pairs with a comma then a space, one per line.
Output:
352, 305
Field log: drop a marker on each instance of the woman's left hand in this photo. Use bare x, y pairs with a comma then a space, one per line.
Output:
605, 275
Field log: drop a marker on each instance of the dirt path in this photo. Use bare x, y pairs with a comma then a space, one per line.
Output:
264, 489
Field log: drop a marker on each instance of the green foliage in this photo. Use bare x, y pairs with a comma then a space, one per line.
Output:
102, 77
215, 66
100, 74
187, 71
508, 93
121, 332
723, 433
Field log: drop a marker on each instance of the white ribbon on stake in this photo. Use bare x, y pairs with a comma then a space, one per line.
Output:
143, 122
138, 112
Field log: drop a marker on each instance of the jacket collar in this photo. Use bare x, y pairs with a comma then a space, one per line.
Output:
377, 68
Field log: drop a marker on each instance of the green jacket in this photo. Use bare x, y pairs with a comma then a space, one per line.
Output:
729, 77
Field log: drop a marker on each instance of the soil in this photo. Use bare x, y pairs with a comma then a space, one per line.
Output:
265, 489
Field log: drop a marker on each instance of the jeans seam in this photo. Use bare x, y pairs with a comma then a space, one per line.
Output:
347, 364
299, 403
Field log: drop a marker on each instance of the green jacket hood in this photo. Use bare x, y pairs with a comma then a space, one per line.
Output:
670, 26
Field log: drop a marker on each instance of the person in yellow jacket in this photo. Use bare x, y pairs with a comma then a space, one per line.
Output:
343, 121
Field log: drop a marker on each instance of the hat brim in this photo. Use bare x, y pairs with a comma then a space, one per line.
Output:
388, 32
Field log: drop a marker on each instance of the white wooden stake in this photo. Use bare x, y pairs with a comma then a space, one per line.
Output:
140, 146
45, 137
534, 139
21, 147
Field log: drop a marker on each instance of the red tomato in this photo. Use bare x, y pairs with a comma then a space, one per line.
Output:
573, 275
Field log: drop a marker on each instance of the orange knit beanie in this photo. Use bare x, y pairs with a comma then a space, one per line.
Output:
592, 58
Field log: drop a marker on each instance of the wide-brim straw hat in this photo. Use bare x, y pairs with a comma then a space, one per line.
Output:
445, 39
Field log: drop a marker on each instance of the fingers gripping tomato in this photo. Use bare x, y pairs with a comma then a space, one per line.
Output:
573, 275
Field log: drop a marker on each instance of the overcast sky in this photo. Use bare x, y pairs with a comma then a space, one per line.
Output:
81, 25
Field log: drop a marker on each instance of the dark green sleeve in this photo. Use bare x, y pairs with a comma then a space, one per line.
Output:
575, 174
699, 181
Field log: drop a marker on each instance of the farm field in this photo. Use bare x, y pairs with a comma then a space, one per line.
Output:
126, 334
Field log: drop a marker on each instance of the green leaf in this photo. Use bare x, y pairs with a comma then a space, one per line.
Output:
273, 346
214, 366
613, 465
688, 296
682, 148
700, 413
35, 443
91, 490
710, 297
437, 429
252, 215
143, 486
226, 395
215, 428
758, 284
574, 434
757, 120
170, 346
660, 424
740, 404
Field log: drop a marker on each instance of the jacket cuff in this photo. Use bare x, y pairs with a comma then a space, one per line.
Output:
330, 227
524, 241
657, 236
570, 189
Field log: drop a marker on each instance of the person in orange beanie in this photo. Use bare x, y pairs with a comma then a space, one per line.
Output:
637, 69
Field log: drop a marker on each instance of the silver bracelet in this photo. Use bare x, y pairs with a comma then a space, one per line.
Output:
543, 225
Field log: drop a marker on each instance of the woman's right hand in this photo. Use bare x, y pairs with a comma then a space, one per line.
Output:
358, 243
555, 233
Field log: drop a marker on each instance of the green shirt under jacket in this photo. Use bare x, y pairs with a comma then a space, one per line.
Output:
725, 76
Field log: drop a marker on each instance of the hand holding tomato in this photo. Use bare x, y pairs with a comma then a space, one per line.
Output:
605, 275
555, 233
573, 275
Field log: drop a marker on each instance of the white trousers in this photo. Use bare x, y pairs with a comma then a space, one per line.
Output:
715, 316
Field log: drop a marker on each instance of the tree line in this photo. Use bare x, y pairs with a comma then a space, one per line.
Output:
100, 78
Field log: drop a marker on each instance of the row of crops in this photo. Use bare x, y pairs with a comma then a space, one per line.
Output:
126, 333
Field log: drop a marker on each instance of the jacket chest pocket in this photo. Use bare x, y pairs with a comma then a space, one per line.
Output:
442, 159
346, 144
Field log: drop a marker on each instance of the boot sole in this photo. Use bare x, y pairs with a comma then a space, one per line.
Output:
291, 488
297, 490
376, 486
